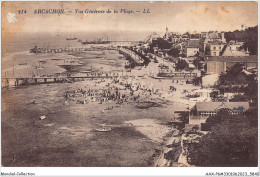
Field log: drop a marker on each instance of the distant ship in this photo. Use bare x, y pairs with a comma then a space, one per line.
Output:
72, 38
96, 41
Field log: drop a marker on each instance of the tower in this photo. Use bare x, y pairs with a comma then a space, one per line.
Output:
166, 36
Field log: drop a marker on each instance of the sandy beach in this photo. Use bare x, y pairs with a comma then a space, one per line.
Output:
67, 137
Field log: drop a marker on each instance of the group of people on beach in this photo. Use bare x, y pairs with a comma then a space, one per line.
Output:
119, 90
98, 95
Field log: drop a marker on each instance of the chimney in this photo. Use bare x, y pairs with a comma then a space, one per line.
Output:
247, 52
223, 37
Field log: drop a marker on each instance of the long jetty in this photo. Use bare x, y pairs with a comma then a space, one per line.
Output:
74, 49
53, 79
112, 46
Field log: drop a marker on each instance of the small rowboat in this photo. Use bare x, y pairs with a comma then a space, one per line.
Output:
103, 129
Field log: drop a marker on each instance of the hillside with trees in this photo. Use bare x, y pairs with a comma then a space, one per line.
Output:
235, 80
249, 36
231, 142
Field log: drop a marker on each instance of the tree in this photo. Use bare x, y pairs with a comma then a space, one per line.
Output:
195, 129
181, 64
197, 64
238, 97
252, 116
161, 44
187, 33
222, 115
251, 42
173, 52
214, 95
197, 80
248, 36
230, 142
184, 117
251, 91
234, 78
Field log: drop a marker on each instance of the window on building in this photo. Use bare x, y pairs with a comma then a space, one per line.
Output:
235, 112
214, 48
214, 54
219, 48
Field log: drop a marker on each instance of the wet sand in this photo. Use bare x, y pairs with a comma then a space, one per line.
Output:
67, 136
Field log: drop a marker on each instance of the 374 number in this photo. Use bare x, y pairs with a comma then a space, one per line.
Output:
22, 11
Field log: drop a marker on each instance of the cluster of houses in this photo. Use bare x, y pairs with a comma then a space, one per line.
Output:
216, 55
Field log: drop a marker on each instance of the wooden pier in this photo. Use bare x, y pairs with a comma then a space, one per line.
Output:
52, 79
73, 49
112, 45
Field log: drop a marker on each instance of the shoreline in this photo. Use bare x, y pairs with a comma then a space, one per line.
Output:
147, 104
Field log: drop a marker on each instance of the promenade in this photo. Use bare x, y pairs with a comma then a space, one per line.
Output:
138, 59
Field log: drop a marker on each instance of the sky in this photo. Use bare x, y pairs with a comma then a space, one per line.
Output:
177, 16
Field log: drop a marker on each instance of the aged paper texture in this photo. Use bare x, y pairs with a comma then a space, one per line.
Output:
129, 84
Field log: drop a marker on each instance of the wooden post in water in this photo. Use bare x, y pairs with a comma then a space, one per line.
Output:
7, 83
26, 81
35, 81
45, 80
16, 82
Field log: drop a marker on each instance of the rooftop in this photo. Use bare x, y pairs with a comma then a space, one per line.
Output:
193, 44
213, 106
228, 51
214, 35
216, 43
250, 58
